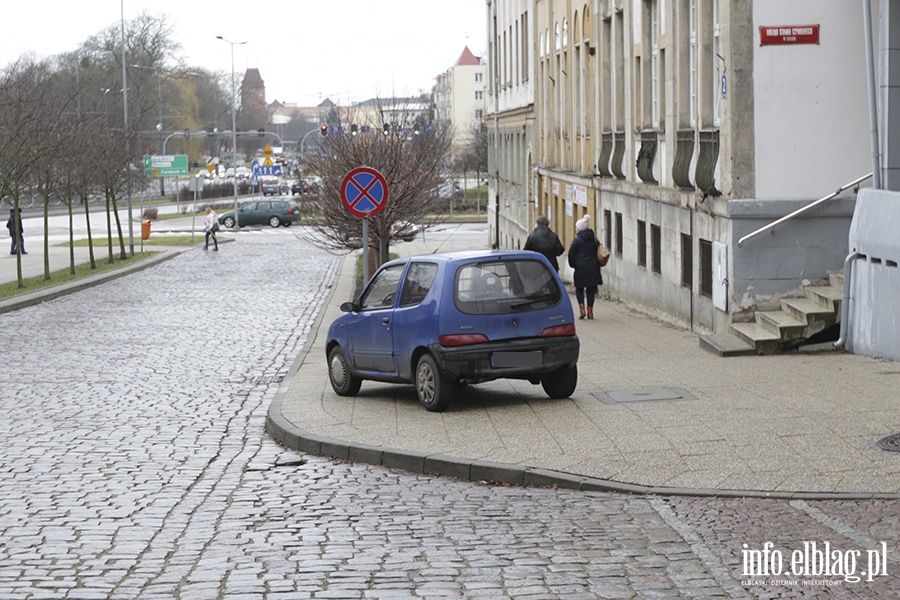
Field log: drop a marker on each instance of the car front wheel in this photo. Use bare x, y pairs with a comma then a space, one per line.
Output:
561, 383
274, 222
434, 390
228, 222
342, 381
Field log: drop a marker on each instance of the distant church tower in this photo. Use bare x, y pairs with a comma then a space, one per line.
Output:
253, 102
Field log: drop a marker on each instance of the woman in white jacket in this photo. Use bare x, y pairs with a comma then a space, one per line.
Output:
211, 227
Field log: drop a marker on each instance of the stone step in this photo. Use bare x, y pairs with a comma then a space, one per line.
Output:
827, 296
763, 340
782, 324
724, 344
804, 309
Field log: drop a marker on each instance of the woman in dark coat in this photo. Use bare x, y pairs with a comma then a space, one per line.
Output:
583, 258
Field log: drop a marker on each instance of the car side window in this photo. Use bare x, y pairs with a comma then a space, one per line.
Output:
382, 289
249, 206
419, 279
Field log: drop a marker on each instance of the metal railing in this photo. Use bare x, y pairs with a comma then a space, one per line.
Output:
773, 224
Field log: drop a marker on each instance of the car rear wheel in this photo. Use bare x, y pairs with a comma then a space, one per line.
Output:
342, 381
228, 222
561, 383
434, 390
274, 222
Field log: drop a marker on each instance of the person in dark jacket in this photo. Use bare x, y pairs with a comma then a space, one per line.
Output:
545, 241
15, 223
583, 259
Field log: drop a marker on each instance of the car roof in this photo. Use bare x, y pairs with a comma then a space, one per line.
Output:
459, 256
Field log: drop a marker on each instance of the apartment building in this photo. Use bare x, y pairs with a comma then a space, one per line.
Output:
682, 126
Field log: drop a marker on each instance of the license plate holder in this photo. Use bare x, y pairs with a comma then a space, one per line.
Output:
508, 360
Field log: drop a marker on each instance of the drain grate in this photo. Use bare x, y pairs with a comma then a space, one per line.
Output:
891, 443
659, 394
264, 379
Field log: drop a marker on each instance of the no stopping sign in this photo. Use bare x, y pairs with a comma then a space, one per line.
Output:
364, 192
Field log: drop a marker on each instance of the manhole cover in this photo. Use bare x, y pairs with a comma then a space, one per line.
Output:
890, 443
643, 395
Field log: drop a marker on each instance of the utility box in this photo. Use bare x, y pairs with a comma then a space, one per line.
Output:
873, 328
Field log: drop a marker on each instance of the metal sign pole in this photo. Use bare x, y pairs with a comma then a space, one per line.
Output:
365, 242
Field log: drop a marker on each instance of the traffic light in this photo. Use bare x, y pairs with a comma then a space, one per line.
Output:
353, 130
324, 129
386, 128
260, 132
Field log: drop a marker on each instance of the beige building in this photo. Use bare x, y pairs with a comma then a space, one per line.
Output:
681, 126
459, 97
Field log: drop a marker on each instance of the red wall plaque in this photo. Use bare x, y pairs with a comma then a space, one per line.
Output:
788, 34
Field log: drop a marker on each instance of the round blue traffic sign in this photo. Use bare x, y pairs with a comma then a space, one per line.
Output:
364, 192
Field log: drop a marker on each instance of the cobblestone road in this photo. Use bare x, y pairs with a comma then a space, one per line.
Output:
133, 464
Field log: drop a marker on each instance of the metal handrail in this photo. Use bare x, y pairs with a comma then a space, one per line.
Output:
804, 209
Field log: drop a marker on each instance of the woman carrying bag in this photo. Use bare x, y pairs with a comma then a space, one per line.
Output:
583, 259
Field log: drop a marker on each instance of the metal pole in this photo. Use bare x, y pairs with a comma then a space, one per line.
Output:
127, 142
159, 128
233, 129
873, 93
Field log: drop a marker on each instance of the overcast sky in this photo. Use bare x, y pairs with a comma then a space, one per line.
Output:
305, 50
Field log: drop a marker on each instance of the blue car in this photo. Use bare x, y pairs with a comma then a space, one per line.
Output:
440, 321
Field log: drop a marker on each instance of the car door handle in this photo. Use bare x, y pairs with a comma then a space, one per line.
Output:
385, 320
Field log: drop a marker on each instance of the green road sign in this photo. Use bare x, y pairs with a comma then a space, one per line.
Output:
166, 166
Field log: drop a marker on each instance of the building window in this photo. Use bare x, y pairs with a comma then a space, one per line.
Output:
607, 229
479, 95
692, 61
620, 233
656, 249
641, 244
717, 68
706, 272
687, 261
479, 114
479, 77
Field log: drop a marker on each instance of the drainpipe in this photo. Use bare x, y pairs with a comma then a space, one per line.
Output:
876, 164
845, 298
873, 105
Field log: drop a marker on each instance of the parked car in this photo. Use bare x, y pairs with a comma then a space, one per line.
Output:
443, 320
297, 188
273, 187
264, 212
404, 230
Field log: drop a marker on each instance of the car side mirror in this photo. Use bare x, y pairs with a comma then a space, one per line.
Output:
348, 307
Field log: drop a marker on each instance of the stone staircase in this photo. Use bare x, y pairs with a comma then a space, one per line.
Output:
798, 320
774, 331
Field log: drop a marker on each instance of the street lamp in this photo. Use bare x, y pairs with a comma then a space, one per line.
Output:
233, 127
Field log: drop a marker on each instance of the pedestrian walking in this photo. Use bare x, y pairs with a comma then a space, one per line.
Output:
544, 240
16, 231
583, 259
211, 227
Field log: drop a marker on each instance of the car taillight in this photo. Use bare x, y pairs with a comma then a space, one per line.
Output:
290, 211
559, 330
463, 339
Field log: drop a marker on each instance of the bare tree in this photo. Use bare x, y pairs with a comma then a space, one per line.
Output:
410, 153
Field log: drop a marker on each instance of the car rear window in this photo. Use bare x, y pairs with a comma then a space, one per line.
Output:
505, 286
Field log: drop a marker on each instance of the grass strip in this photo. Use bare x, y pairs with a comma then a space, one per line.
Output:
33, 284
